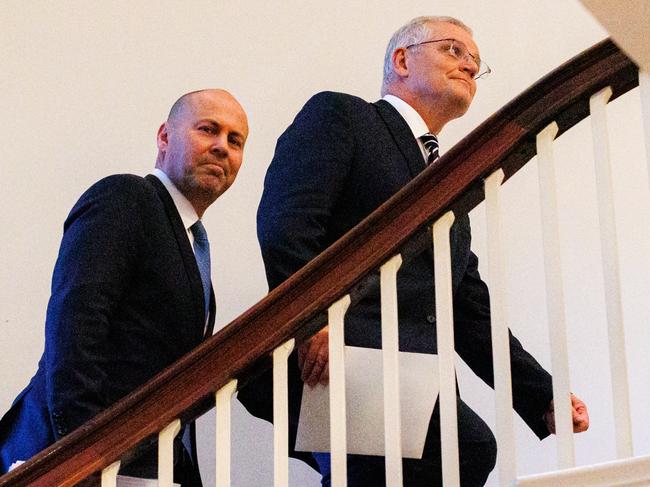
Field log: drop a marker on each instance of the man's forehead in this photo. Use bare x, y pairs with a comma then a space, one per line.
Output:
441, 29
212, 101
215, 105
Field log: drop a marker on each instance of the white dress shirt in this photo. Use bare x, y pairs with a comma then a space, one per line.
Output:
185, 209
183, 206
412, 118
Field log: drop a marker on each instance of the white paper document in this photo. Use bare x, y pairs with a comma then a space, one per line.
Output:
16, 464
126, 481
419, 387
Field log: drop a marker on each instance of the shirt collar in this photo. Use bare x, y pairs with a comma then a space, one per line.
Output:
412, 118
183, 206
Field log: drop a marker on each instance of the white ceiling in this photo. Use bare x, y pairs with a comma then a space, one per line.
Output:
628, 24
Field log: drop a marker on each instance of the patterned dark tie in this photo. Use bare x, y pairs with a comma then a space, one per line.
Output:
430, 142
202, 254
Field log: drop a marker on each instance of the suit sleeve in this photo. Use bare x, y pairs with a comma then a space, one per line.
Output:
305, 178
532, 386
96, 260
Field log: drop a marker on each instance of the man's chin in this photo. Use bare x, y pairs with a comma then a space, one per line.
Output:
204, 190
210, 183
463, 101
457, 101
211, 190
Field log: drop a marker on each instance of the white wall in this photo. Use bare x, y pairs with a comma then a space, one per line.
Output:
85, 85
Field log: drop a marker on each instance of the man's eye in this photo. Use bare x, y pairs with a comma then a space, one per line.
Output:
235, 141
447, 47
207, 129
456, 51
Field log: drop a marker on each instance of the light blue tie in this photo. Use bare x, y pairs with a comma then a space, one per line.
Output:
202, 254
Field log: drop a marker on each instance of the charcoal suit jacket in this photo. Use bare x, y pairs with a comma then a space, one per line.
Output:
126, 302
338, 161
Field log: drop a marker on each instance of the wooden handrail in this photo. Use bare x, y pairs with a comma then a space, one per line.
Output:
185, 390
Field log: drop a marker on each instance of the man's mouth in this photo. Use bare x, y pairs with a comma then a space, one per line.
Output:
215, 169
464, 81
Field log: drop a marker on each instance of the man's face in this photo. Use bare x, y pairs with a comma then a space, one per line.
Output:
437, 78
202, 145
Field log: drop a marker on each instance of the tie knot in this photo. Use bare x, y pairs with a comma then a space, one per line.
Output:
198, 230
429, 139
430, 142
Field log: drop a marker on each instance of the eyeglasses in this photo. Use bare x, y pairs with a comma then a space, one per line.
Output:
459, 51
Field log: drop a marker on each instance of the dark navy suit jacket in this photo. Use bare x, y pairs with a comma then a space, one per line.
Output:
338, 161
126, 302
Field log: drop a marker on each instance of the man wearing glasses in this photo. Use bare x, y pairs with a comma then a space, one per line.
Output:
338, 161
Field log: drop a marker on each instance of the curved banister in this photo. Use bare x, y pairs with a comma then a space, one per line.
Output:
185, 390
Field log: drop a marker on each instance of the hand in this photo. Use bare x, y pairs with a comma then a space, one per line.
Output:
313, 358
580, 416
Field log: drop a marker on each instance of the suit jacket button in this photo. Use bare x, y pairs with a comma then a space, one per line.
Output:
431, 318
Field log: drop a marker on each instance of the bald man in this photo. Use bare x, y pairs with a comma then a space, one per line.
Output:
131, 292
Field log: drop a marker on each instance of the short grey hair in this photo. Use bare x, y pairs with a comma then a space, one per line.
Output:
413, 32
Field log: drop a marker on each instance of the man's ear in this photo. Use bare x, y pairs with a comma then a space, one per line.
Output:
399, 62
161, 138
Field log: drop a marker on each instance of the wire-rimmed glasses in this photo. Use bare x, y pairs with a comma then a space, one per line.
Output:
458, 50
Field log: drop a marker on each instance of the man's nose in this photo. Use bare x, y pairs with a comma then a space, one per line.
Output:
469, 65
220, 147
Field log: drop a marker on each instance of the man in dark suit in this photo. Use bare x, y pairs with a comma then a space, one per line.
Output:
131, 288
338, 161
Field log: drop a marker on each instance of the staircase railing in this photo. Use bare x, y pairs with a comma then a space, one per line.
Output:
499, 148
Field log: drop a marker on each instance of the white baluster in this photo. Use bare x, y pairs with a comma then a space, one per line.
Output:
166, 453
644, 90
555, 297
611, 273
223, 398
507, 458
446, 352
281, 414
390, 346
109, 475
338, 439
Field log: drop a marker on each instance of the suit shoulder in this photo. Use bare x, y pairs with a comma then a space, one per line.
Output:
120, 188
336, 99
329, 108
119, 194
122, 182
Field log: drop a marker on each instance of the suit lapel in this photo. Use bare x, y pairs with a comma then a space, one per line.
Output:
408, 146
187, 255
402, 136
